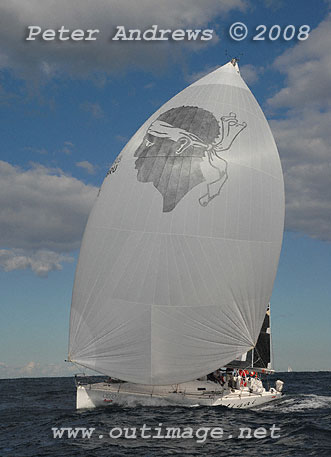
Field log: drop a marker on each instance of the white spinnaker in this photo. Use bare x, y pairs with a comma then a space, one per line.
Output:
181, 248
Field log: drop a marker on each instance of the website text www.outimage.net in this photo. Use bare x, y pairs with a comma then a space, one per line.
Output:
200, 434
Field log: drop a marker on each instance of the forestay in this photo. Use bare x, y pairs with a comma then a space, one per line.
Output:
181, 248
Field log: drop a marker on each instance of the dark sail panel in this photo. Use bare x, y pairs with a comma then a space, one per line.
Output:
262, 350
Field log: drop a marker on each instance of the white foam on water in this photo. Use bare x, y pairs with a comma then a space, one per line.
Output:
300, 403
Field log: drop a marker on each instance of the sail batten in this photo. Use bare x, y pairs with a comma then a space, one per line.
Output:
181, 248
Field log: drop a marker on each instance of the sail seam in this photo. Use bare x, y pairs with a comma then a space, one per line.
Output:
187, 235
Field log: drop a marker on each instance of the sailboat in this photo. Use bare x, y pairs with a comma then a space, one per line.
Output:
179, 256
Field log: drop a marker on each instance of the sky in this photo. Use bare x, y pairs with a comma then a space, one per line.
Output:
67, 108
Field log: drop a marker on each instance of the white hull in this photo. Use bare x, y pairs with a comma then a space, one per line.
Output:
194, 393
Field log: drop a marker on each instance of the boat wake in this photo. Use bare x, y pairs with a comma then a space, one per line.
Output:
299, 403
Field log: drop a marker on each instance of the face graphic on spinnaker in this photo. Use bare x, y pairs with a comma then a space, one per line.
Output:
181, 149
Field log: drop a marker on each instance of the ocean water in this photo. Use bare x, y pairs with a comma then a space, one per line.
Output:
297, 425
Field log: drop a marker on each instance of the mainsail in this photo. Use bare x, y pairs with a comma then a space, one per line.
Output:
259, 357
181, 248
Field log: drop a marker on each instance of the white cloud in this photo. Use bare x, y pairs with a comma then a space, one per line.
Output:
42, 208
93, 108
29, 368
303, 135
87, 166
33, 59
41, 262
307, 67
304, 144
37, 369
149, 85
42, 151
250, 73
67, 147
43, 213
